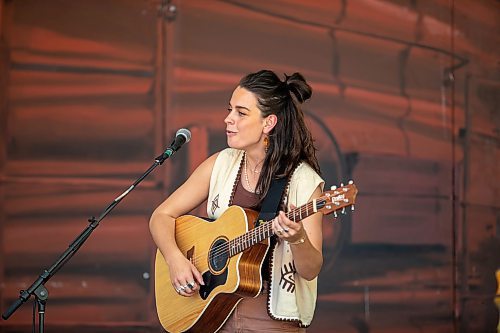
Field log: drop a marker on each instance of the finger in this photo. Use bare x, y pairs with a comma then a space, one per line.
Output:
178, 290
284, 222
192, 285
289, 224
277, 229
187, 289
197, 276
181, 281
184, 290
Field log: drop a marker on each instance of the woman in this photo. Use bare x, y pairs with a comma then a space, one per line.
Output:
268, 139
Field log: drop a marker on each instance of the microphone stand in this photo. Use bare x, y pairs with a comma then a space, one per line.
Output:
37, 289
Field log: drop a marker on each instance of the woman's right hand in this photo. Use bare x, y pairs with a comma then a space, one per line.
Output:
185, 277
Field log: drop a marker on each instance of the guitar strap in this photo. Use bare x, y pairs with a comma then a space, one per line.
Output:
271, 203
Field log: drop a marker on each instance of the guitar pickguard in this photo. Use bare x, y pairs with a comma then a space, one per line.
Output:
212, 281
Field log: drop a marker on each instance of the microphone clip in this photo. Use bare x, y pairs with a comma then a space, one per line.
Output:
181, 137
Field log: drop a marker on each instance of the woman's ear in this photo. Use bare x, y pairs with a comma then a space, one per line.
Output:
269, 123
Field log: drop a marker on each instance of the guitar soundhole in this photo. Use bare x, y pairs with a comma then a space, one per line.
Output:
218, 256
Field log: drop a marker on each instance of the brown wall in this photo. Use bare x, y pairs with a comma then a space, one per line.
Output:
405, 103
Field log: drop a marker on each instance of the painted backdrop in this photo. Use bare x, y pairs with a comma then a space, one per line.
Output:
405, 103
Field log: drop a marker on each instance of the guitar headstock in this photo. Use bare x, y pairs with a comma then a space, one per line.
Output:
338, 198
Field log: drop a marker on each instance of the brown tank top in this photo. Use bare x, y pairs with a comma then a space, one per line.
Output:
246, 199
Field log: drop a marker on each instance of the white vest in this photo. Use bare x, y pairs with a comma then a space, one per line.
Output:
291, 297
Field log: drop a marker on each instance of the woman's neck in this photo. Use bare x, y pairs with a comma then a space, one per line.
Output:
255, 161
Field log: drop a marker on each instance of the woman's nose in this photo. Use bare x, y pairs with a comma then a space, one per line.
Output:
228, 119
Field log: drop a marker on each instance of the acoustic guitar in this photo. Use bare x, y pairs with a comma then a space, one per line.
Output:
229, 253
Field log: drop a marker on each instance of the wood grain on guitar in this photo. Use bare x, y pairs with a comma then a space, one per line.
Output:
229, 253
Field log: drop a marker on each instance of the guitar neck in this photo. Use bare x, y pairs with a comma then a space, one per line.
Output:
264, 230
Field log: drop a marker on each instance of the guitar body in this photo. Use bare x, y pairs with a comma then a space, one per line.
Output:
227, 278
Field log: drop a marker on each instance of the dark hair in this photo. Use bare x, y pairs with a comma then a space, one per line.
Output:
290, 141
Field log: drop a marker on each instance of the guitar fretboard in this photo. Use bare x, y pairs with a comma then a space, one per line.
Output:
264, 230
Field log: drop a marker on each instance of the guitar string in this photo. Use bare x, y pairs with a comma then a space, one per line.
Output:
241, 243
243, 240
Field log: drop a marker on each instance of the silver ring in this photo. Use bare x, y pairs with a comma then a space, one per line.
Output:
191, 284
178, 290
182, 288
286, 230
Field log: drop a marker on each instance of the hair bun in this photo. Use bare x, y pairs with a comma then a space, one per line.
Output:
297, 85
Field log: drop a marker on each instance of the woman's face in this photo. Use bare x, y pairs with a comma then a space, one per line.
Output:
245, 125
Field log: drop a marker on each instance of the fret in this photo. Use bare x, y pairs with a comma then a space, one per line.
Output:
325, 204
264, 230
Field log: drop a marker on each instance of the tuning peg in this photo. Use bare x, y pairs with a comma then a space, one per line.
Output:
335, 214
333, 188
341, 184
343, 210
352, 208
351, 182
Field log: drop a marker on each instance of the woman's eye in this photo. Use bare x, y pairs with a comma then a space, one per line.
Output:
240, 113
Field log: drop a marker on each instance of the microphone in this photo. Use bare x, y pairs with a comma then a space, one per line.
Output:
181, 137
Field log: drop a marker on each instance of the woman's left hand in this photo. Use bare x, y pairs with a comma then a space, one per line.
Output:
286, 229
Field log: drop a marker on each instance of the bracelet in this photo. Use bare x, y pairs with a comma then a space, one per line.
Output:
300, 241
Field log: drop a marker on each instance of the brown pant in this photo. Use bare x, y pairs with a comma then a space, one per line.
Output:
251, 316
